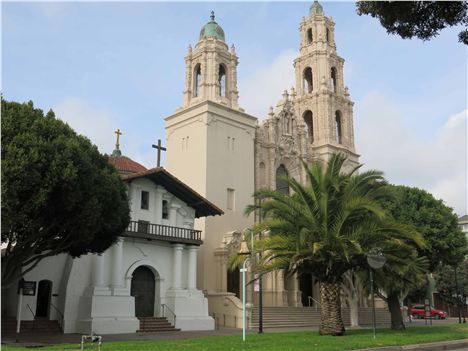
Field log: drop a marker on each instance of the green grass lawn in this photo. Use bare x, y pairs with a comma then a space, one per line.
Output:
296, 341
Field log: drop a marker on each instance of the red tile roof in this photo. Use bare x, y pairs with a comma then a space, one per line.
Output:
125, 165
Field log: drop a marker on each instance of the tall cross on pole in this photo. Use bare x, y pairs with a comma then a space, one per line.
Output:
118, 133
160, 148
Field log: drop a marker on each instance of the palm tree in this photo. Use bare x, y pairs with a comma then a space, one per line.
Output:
326, 228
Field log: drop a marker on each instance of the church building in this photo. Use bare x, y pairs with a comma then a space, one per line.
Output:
226, 154
145, 282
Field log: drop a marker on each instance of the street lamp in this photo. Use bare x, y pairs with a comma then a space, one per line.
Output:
244, 250
376, 260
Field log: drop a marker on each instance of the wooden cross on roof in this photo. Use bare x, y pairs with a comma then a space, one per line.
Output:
117, 144
160, 148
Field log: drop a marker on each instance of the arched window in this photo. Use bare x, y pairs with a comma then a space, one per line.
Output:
222, 81
282, 185
338, 125
309, 122
197, 81
309, 36
328, 35
165, 210
333, 79
308, 82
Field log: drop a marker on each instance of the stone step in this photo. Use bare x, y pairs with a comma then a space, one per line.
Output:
155, 324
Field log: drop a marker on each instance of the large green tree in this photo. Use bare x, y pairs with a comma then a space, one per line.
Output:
447, 285
446, 244
326, 228
421, 19
59, 194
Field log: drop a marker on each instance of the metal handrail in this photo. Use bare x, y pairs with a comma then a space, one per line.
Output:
163, 230
163, 313
309, 298
60, 313
34, 316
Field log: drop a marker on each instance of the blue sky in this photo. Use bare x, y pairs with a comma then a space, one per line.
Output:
103, 66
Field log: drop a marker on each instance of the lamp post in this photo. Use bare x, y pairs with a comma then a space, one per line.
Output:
244, 251
376, 260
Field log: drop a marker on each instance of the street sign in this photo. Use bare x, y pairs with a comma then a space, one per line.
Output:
29, 288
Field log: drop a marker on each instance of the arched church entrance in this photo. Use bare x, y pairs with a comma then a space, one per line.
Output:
143, 288
44, 292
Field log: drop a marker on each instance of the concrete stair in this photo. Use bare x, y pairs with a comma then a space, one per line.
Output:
290, 317
39, 325
155, 324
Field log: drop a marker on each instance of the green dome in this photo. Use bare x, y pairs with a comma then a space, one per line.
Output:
212, 30
316, 9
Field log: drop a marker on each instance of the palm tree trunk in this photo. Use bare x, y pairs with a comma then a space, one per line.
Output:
331, 322
395, 312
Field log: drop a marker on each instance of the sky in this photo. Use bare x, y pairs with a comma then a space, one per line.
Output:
107, 65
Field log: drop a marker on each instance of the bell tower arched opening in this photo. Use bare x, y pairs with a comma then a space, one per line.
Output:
333, 79
309, 36
197, 80
309, 122
222, 81
338, 127
308, 80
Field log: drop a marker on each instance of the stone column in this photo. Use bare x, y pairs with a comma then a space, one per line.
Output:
98, 271
117, 256
177, 266
192, 268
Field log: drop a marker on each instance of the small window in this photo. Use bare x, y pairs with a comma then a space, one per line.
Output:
309, 36
143, 227
338, 126
328, 36
230, 199
144, 200
165, 210
333, 79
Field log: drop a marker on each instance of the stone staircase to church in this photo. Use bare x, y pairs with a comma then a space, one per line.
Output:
155, 324
40, 325
290, 317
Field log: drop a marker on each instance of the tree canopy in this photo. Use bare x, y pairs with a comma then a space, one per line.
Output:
446, 284
438, 224
59, 194
421, 19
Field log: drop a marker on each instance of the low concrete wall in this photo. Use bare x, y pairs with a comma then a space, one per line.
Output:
226, 309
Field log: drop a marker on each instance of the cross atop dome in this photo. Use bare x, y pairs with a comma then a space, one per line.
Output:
316, 9
117, 151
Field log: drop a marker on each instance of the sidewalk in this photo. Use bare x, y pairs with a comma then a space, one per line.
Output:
455, 345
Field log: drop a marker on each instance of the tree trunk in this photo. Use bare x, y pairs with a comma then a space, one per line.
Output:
395, 312
331, 322
351, 295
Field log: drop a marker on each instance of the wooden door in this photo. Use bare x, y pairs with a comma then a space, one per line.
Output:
142, 288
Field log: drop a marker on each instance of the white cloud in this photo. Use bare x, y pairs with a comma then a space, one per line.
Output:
265, 87
96, 124
437, 164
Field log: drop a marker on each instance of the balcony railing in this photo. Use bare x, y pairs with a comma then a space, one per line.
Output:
149, 230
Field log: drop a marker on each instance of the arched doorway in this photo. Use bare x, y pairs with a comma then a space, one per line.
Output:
143, 289
44, 292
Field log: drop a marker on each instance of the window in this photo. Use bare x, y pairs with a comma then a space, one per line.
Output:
308, 83
333, 79
230, 199
328, 36
197, 81
144, 200
338, 124
143, 227
222, 81
165, 210
309, 36
309, 122
282, 185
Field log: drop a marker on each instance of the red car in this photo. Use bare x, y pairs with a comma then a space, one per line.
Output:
417, 311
